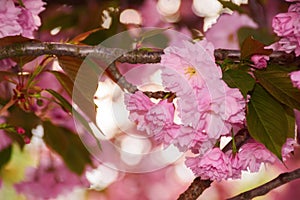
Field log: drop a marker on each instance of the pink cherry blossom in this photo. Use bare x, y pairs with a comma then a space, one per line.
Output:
287, 44
198, 142
190, 71
8, 18
253, 154
292, 0
18, 20
234, 106
51, 173
287, 25
5, 141
188, 66
260, 61
295, 77
236, 166
284, 23
159, 116
167, 134
138, 105
213, 165
287, 148
294, 7
29, 19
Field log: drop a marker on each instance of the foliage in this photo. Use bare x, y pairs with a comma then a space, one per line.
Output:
41, 84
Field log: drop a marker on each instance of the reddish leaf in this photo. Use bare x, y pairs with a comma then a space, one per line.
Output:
70, 65
83, 36
9, 40
251, 47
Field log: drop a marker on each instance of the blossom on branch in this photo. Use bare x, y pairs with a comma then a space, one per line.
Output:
28, 18
207, 109
213, 165
287, 26
8, 19
288, 148
50, 173
138, 105
295, 77
16, 19
260, 61
204, 101
253, 154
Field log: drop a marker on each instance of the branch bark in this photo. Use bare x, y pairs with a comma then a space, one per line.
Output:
267, 187
136, 56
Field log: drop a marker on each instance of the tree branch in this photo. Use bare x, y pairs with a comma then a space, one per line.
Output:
34, 48
136, 56
196, 188
267, 187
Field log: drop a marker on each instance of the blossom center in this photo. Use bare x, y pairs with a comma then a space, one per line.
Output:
190, 71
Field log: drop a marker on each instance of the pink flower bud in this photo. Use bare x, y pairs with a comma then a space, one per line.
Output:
20, 130
260, 61
26, 140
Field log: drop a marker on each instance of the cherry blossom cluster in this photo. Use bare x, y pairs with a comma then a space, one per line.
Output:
295, 77
19, 18
287, 26
50, 173
204, 110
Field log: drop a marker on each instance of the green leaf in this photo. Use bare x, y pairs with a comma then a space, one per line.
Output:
37, 71
62, 101
84, 101
239, 79
67, 106
290, 116
85, 81
151, 33
64, 80
267, 121
260, 34
279, 85
5, 155
68, 145
231, 6
251, 47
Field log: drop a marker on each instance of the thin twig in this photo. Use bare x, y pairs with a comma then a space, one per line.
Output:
267, 187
